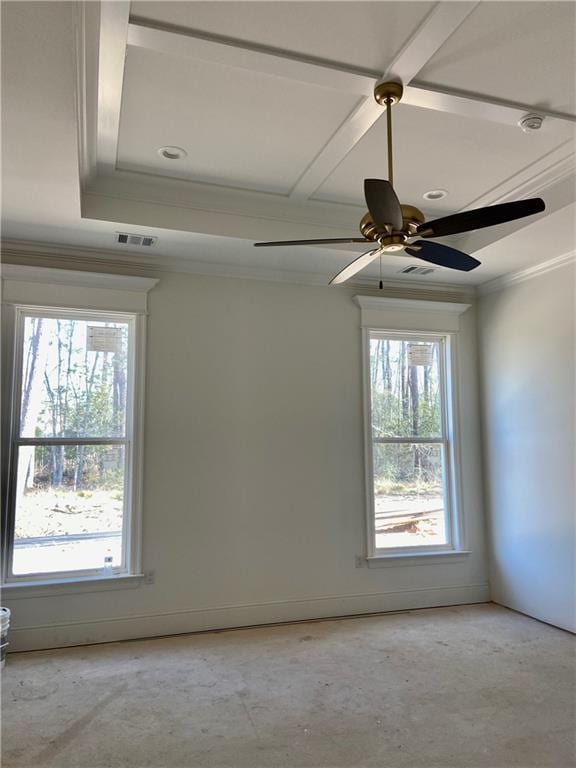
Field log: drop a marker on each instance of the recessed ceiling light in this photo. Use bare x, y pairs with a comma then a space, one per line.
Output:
435, 194
172, 153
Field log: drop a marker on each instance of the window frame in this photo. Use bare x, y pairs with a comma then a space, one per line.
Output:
15, 316
449, 441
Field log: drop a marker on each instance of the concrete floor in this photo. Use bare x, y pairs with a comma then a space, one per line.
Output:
464, 687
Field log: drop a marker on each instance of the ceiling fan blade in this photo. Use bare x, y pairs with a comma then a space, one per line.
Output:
315, 242
383, 204
481, 217
436, 253
355, 266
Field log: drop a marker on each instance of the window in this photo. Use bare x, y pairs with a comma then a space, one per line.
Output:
72, 485
410, 444
412, 450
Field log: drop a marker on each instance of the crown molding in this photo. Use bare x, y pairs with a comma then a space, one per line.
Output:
64, 256
530, 273
35, 254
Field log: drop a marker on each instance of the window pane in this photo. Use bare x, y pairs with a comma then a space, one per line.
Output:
69, 508
408, 495
405, 384
74, 378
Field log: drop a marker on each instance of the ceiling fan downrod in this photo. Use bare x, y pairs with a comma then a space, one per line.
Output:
387, 94
389, 129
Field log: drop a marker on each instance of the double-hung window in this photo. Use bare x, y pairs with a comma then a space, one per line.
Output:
411, 446
72, 475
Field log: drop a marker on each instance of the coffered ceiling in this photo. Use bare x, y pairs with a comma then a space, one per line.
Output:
272, 104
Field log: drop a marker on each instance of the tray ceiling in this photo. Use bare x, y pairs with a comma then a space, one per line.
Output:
265, 112
272, 102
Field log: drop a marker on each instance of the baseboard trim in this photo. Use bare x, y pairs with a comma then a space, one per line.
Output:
108, 630
523, 610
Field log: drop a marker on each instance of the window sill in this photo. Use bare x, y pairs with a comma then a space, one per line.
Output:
421, 558
54, 587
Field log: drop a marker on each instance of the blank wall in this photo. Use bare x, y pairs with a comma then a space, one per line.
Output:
254, 485
527, 345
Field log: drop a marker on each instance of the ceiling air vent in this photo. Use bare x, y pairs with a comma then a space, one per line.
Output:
140, 241
414, 270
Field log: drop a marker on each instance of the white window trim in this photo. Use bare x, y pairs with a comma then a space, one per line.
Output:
420, 319
25, 290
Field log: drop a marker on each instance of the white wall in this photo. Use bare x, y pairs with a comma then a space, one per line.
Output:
254, 491
527, 348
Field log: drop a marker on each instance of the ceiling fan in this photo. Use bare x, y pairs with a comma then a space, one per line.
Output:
391, 226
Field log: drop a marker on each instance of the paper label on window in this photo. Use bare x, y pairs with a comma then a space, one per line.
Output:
110, 458
420, 354
101, 339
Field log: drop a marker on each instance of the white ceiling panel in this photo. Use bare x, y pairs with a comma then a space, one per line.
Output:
366, 35
519, 51
438, 150
240, 128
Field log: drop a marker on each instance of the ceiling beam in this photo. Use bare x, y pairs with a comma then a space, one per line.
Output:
442, 21
175, 41
432, 33
114, 18
342, 141
182, 42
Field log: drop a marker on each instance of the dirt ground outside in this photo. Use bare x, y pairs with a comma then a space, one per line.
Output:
409, 520
66, 512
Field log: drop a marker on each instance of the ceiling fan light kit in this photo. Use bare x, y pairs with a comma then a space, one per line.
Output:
392, 225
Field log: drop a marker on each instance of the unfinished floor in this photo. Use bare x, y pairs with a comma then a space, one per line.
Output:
466, 686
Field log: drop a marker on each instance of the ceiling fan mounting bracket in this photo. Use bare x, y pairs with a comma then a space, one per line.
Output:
388, 92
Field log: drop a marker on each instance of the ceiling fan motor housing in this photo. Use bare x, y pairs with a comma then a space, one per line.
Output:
411, 218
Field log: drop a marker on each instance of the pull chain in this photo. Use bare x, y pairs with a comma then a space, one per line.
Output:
381, 283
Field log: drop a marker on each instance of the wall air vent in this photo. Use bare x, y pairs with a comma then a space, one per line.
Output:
139, 241
414, 270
